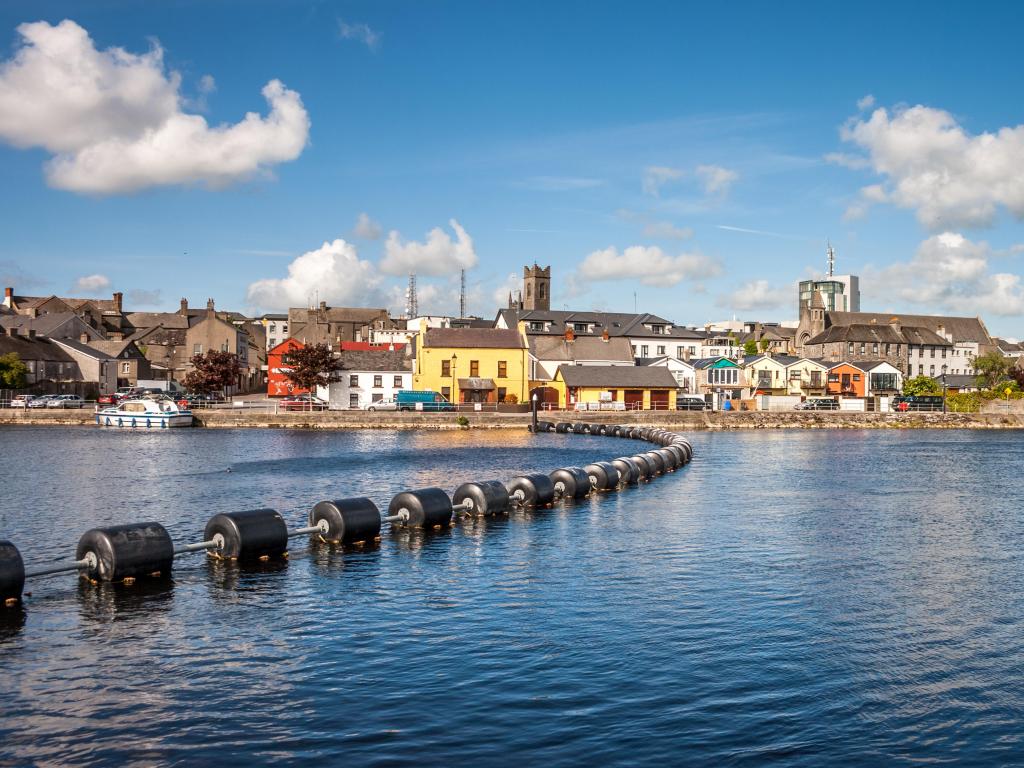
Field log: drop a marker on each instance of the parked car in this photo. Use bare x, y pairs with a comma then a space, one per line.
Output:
108, 399
818, 404
65, 401
40, 402
691, 403
387, 404
426, 400
917, 403
303, 403
21, 401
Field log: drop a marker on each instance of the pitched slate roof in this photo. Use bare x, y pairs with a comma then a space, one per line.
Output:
617, 376
376, 360
481, 338
961, 328
143, 320
33, 349
958, 380
581, 348
85, 349
45, 325
112, 348
616, 323
784, 360
707, 362
880, 333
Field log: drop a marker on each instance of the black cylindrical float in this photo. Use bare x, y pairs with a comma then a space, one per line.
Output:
424, 508
251, 534
657, 463
563, 426
644, 467
348, 520
545, 426
12, 574
629, 474
489, 497
679, 452
127, 551
579, 428
603, 475
532, 490
571, 482
636, 433
670, 459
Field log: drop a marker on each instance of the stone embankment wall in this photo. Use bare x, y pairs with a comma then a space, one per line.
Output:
692, 421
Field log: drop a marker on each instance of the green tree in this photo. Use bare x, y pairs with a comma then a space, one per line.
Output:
750, 348
922, 385
312, 366
765, 343
13, 371
212, 372
991, 369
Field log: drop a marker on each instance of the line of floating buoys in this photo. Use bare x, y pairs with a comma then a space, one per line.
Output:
124, 553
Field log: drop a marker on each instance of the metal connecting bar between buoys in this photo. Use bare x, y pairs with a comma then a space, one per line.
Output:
202, 546
321, 527
89, 561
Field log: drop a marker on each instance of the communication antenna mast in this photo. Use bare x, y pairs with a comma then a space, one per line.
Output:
411, 306
462, 296
831, 255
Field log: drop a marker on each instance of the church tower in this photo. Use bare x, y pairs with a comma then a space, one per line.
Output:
536, 287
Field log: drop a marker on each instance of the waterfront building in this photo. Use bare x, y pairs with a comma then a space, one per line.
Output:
721, 377
550, 352
104, 315
863, 379
278, 384
473, 365
807, 377
54, 325
333, 325
682, 371
636, 387
367, 377
51, 369
131, 364
276, 328
768, 374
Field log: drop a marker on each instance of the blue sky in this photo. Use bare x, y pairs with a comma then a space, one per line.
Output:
689, 158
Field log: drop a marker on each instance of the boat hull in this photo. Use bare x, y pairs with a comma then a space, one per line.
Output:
144, 420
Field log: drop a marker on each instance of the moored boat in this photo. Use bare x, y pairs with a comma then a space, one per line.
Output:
145, 413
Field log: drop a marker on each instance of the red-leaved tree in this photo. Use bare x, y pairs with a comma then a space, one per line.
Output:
212, 372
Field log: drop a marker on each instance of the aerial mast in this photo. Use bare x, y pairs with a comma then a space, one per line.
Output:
462, 296
831, 256
411, 305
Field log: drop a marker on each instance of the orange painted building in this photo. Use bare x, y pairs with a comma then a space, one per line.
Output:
847, 379
277, 369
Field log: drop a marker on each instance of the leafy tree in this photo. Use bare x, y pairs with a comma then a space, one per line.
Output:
212, 372
991, 369
765, 343
922, 385
12, 371
750, 348
312, 366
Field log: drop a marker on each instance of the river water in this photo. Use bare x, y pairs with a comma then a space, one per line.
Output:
804, 598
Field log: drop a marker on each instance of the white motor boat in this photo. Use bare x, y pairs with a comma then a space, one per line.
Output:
145, 413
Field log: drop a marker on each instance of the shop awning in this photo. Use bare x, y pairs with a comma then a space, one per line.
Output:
476, 383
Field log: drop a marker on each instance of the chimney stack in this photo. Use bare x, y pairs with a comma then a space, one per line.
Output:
118, 299
323, 306
8, 296
896, 325
569, 334
31, 333
184, 307
84, 338
209, 306
604, 335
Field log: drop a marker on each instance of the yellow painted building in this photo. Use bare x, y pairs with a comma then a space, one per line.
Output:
639, 387
473, 365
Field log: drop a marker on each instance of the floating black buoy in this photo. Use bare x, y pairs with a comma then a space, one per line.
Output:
423, 508
127, 552
603, 475
12, 574
488, 497
657, 463
679, 452
670, 459
596, 429
531, 490
629, 473
252, 534
570, 482
348, 520
643, 466
563, 426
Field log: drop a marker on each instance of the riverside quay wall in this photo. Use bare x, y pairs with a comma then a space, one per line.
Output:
682, 420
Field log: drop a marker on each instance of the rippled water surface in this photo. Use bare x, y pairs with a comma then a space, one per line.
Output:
806, 598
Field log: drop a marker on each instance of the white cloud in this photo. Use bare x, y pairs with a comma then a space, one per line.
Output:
359, 31
867, 102
657, 176
512, 284
333, 272
717, 180
933, 166
366, 228
952, 274
757, 294
90, 283
437, 255
207, 84
113, 120
142, 297
666, 230
646, 263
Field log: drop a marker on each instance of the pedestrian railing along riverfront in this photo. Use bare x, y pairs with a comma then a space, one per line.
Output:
145, 551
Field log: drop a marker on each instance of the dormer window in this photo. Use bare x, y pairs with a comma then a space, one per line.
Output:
536, 326
658, 329
580, 327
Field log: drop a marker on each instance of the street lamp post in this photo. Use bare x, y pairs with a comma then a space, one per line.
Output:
454, 398
944, 387
533, 401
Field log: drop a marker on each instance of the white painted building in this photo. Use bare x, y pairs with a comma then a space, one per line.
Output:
367, 377
683, 372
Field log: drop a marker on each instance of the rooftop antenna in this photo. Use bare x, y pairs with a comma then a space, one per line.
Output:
831, 255
634, 302
462, 296
411, 306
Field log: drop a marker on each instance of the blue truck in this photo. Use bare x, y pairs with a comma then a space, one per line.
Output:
422, 400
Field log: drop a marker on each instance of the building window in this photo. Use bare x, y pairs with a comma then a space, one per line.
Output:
888, 347
856, 377
920, 370
874, 348
353, 400
502, 369
376, 397
541, 290
378, 381
943, 351
126, 367
931, 370
580, 327
284, 328
850, 348
273, 328
446, 393
679, 353
661, 350
863, 348
224, 347
536, 326
197, 349
643, 350
353, 380
501, 394
397, 384
446, 367
474, 368
932, 349
899, 349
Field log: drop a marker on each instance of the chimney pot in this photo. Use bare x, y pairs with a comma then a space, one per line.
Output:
604, 335
118, 299
209, 305
184, 307
8, 293
570, 334
84, 338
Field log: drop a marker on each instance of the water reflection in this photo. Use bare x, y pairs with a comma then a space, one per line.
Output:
105, 602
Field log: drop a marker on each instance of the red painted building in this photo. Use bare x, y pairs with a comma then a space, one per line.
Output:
277, 369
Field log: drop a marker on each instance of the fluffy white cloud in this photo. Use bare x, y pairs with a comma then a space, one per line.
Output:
657, 176
717, 180
512, 284
933, 166
90, 283
867, 102
333, 272
437, 255
646, 263
359, 31
367, 228
951, 273
114, 121
757, 294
